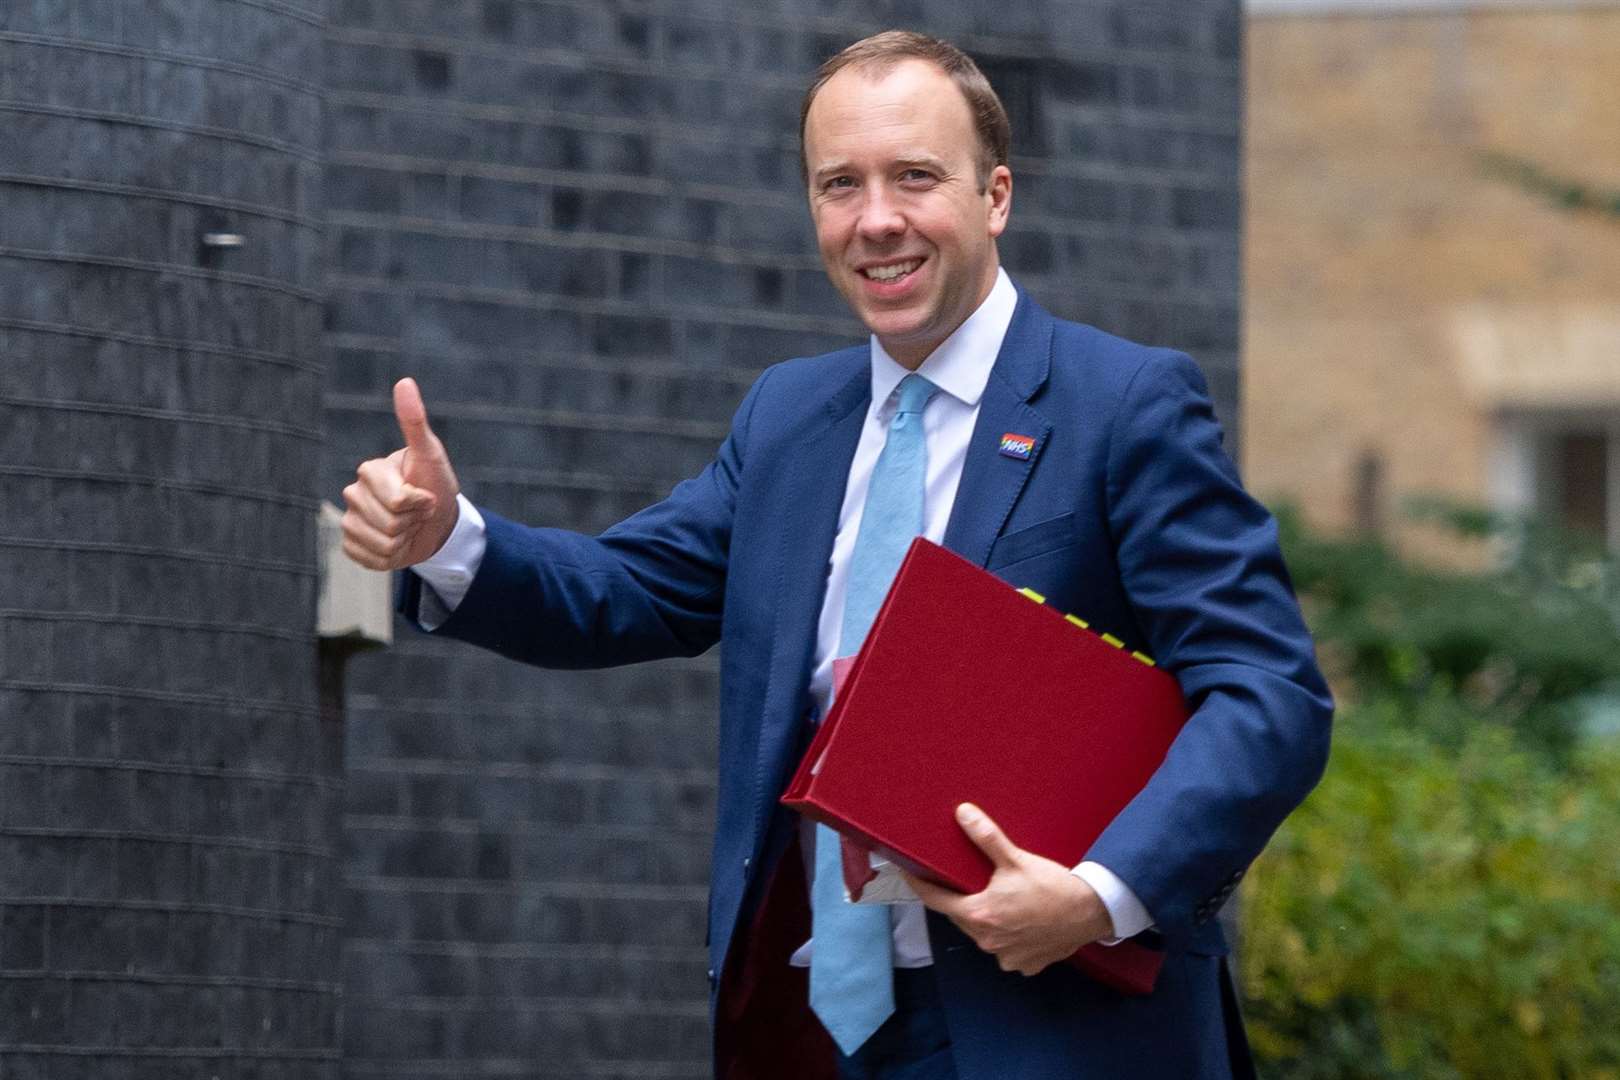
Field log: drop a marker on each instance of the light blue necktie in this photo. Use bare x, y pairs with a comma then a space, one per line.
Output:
851, 967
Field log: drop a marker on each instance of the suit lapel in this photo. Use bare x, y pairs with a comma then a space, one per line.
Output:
991, 480
812, 495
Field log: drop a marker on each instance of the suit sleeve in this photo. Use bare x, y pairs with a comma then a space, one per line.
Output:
650, 587
1201, 566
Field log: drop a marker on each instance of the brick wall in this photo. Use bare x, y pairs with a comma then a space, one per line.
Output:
580, 226
168, 800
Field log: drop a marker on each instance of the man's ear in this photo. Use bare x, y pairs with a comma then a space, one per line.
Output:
998, 193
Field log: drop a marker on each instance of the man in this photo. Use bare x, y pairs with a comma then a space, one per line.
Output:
1121, 505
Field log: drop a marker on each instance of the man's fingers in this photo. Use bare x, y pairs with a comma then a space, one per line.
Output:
365, 558
987, 835
943, 900
364, 502
412, 417
383, 544
384, 480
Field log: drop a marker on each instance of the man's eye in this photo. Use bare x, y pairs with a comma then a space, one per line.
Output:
836, 182
915, 175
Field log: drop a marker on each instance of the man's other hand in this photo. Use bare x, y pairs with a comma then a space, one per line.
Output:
402, 507
1033, 913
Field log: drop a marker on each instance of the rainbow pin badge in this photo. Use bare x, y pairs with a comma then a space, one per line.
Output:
1017, 446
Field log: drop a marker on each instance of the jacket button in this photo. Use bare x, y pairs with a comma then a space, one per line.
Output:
711, 974
747, 863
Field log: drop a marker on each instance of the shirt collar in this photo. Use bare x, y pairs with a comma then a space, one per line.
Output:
961, 365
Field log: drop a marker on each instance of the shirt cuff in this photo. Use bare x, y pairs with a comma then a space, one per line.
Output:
448, 572
1124, 909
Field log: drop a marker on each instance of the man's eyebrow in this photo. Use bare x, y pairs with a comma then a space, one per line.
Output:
928, 161
831, 169
904, 161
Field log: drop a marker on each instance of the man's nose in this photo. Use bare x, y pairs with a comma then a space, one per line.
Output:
881, 217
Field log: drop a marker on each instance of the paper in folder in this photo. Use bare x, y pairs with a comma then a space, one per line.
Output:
969, 690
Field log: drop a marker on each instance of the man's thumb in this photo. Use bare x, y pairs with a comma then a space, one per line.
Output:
412, 417
986, 834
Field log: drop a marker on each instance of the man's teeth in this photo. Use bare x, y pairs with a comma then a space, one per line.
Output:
889, 273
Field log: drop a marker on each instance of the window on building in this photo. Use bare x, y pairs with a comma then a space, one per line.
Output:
1564, 468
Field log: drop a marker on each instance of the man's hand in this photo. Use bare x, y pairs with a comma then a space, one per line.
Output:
402, 507
1033, 913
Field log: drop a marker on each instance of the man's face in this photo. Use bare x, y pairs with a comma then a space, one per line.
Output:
905, 232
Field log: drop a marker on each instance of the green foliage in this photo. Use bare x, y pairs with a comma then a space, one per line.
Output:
1520, 645
1447, 903
1439, 912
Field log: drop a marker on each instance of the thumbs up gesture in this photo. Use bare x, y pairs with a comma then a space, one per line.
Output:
402, 507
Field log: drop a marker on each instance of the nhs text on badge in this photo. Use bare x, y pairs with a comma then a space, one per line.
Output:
1017, 446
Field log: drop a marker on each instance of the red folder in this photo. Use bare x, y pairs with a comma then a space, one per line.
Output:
968, 690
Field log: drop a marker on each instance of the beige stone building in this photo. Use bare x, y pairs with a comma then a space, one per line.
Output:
1423, 313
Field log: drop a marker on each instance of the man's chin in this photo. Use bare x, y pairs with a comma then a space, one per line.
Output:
909, 343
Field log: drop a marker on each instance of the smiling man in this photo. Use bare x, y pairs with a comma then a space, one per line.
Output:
1121, 505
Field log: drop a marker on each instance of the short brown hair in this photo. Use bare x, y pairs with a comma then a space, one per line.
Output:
881, 52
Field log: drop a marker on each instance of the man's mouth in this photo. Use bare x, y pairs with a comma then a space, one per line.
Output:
891, 271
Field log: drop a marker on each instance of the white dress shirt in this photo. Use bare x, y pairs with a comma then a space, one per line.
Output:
960, 367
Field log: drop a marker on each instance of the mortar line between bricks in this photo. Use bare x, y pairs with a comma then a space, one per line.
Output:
600, 1006
619, 423
239, 843
217, 701
1113, 172
569, 363
751, 319
161, 622
437, 645
217, 772
108, 547
549, 479
136, 120
314, 17
359, 702
568, 771
107, 48
540, 236
557, 890
1059, 226
182, 198
510, 828
278, 498
177, 416
175, 907
1056, 225
255, 982
210, 1052
148, 266
523, 1068
174, 344
529, 951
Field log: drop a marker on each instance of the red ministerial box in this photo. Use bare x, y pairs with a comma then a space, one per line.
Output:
968, 691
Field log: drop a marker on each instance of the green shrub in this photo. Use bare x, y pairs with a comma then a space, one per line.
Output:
1440, 908
1522, 643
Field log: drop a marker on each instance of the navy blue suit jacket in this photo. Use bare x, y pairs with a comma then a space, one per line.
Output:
1128, 513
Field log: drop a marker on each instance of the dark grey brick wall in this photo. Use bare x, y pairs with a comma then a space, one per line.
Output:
168, 800
580, 225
